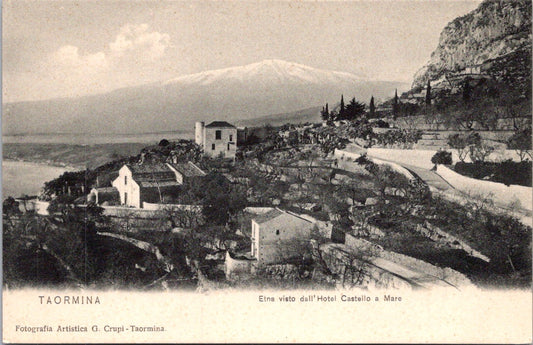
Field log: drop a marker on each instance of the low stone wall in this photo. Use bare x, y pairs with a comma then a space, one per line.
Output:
348, 154
122, 212
350, 272
157, 207
434, 233
451, 276
500, 193
419, 122
258, 210
345, 154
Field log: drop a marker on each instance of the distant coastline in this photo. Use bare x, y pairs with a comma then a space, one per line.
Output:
94, 139
24, 177
52, 164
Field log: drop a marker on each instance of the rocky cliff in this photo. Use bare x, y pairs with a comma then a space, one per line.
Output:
497, 35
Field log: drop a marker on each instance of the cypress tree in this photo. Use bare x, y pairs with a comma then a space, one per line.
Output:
325, 114
341, 111
372, 107
395, 104
467, 92
428, 94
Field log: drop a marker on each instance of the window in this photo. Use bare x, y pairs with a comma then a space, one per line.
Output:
125, 180
125, 198
218, 134
213, 147
277, 232
228, 147
231, 137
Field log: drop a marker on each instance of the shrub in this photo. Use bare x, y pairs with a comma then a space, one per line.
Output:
507, 172
442, 157
402, 138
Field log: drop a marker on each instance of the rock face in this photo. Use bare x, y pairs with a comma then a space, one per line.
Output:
496, 35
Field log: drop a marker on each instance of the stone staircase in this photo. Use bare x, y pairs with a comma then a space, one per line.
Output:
435, 140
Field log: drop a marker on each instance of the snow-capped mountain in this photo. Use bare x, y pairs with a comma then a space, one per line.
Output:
268, 70
231, 94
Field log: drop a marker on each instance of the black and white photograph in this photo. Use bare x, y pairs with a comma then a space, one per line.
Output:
305, 152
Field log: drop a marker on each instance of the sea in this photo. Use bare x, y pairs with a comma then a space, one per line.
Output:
96, 138
26, 178
19, 178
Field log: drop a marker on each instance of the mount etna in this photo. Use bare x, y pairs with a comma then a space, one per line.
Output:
243, 93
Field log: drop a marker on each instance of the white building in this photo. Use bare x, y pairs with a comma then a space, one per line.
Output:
279, 235
152, 182
217, 139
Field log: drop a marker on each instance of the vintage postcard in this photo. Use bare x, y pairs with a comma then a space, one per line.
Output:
266, 171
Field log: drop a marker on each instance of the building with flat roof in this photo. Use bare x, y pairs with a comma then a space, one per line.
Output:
217, 139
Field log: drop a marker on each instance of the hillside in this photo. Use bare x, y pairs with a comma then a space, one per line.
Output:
296, 117
237, 93
496, 37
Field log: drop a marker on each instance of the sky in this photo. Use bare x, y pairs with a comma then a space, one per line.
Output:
74, 48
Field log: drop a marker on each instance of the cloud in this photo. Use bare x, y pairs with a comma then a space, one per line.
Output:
133, 43
69, 56
138, 39
128, 59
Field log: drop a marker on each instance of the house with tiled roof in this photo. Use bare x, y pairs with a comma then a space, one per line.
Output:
217, 139
186, 172
138, 183
278, 236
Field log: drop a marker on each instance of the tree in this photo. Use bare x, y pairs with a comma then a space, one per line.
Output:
353, 110
329, 140
479, 149
188, 216
10, 207
372, 108
342, 108
442, 157
395, 109
220, 199
459, 142
428, 94
324, 114
520, 141
510, 240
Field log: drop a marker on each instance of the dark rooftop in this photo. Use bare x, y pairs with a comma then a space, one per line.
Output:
219, 124
158, 184
265, 217
275, 213
155, 172
149, 168
188, 169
